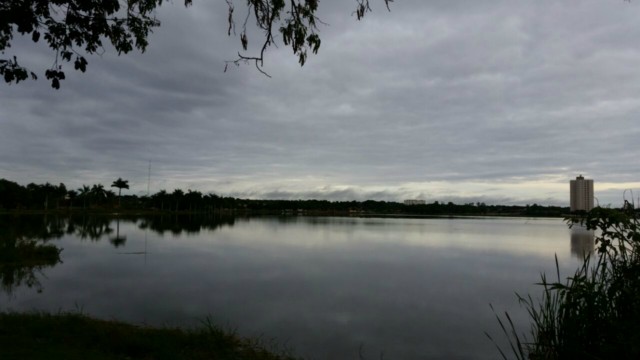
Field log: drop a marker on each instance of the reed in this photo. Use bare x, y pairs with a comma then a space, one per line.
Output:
595, 313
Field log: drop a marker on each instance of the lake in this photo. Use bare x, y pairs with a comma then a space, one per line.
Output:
325, 287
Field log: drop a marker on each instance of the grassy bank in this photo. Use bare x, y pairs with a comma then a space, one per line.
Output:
71, 336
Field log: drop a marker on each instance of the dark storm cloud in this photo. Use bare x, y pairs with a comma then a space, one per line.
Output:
466, 100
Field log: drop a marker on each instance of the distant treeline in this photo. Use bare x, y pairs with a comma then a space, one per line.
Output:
96, 198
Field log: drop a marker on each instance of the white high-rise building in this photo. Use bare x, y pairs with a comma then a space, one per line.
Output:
581, 194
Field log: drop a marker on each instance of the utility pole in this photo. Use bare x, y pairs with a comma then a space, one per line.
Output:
149, 179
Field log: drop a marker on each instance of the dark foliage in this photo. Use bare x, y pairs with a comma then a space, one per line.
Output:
74, 29
95, 198
595, 313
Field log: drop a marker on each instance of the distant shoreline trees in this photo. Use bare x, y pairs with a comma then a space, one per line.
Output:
48, 197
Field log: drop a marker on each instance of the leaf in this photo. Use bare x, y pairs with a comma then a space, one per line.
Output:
80, 64
243, 40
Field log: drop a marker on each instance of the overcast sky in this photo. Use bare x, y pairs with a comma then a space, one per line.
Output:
494, 101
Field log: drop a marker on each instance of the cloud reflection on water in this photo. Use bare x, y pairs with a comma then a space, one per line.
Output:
411, 288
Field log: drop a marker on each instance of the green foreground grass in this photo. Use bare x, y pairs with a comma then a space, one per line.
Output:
71, 336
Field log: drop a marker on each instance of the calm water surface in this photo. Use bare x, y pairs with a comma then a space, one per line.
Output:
326, 287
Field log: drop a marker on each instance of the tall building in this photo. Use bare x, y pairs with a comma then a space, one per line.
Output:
581, 194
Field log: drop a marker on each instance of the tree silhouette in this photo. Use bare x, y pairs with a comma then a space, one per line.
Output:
193, 198
177, 195
72, 195
84, 192
74, 28
120, 184
99, 193
161, 196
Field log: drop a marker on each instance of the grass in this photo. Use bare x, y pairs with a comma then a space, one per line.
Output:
72, 336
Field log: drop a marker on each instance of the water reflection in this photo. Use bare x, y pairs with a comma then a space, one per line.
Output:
118, 240
26, 251
190, 224
32, 227
411, 288
582, 242
95, 228
22, 260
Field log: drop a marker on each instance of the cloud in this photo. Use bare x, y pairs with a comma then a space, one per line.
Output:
443, 94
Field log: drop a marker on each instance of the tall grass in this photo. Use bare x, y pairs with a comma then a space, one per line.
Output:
594, 314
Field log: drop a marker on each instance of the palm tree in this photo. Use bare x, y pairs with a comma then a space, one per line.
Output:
98, 192
84, 192
71, 195
160, 196
177, 195
120, 184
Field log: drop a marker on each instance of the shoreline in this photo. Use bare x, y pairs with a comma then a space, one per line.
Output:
244, 213
38, 335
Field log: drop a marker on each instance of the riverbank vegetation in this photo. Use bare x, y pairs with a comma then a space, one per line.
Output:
71, 336
96, 198
595, 313
21, 259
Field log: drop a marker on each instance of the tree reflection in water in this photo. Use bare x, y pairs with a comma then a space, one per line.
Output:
118, 240
26, 251
190, 224
21, 262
